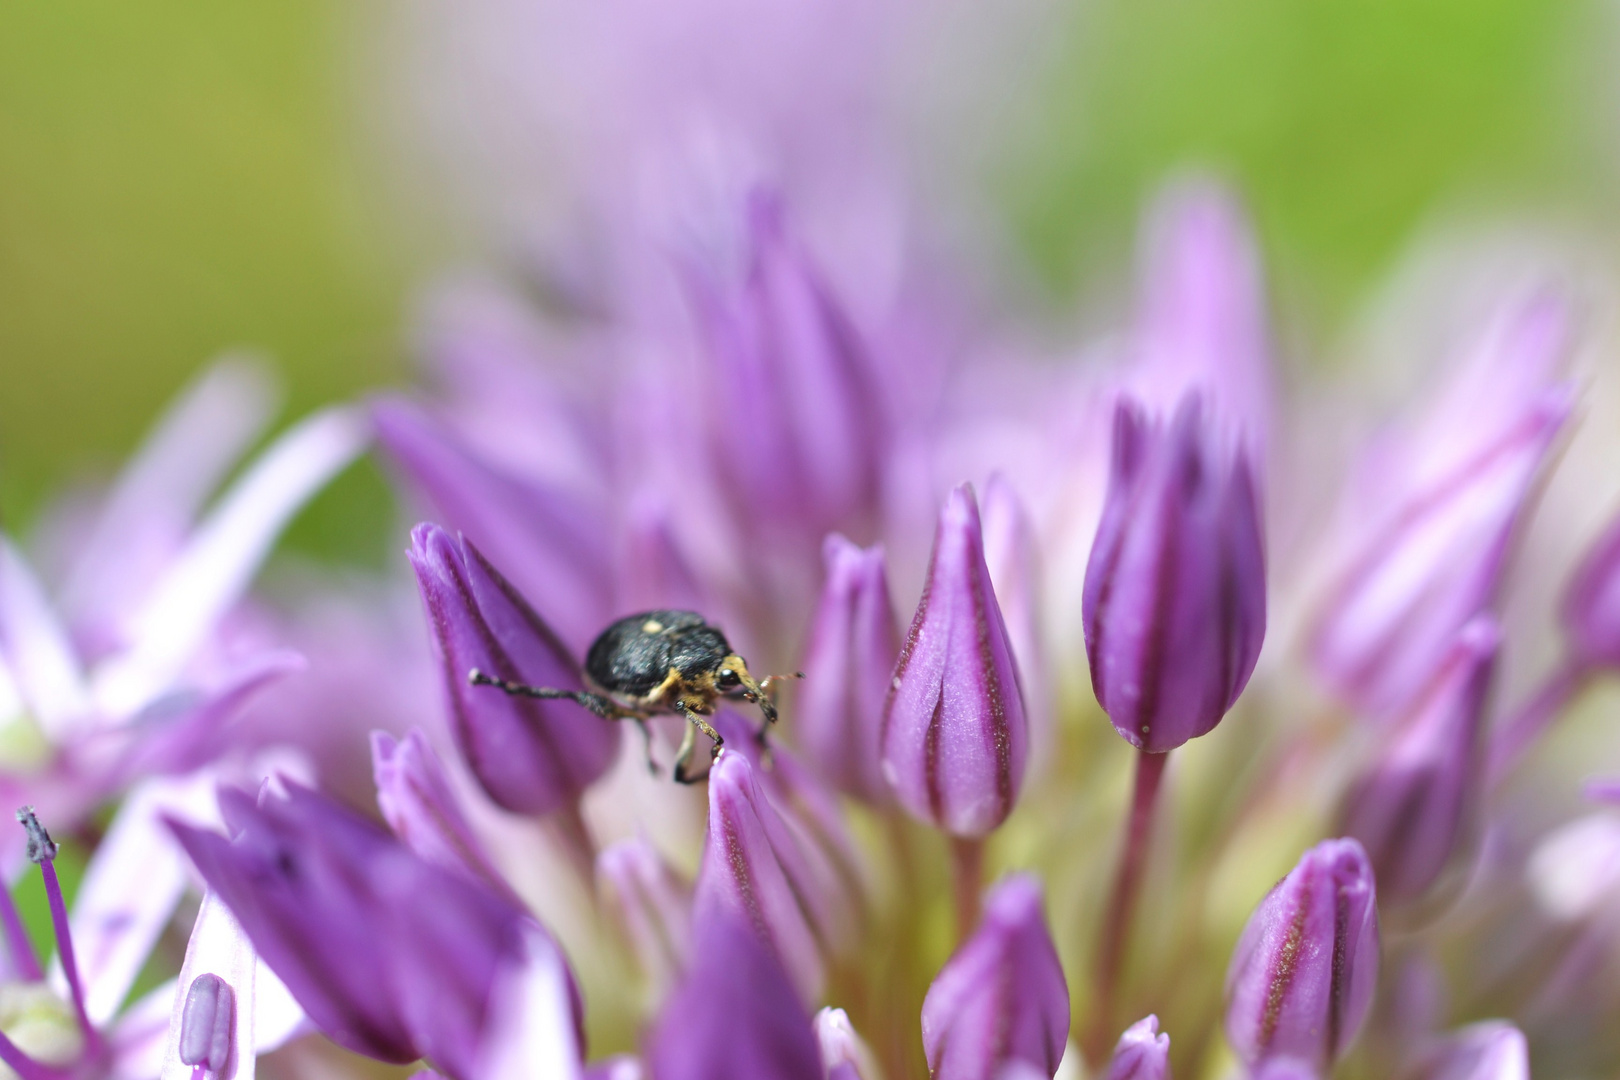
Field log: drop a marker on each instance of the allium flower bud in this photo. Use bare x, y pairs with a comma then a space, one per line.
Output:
390, 956
1175, 594
745, 874
1143, 1053
838, 714
735, 1015
1302, 975
844, 1056
954, 732
1412, 809
531, 757
414, 797
797, 433
1590, 610
1490, 1050
1001, 999
653, 905
1429, 536
1202, 319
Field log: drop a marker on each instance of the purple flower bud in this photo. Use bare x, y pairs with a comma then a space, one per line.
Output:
796, 426
207, 1022
1426, 541
736, 1014
1590, 610
652, 903
389, 955
1010, 553
743, 876
530, 756
838, 714
954, 733
1303, 973
549, 540
1001, 999
844, 1056
1202, 319
415, 799
1143, 1053
1412, 809
1175, 594
1490, 1050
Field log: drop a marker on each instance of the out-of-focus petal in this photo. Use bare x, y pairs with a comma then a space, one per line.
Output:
531, 1032
844, 1054
415, 799
1143, 1053
149, 511
653, 905
1575, 870
1489, 1050
219, 561
38, 652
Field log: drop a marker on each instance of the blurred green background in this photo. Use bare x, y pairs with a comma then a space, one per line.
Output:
178, 179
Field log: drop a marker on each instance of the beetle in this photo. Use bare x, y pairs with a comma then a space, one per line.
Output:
660, 662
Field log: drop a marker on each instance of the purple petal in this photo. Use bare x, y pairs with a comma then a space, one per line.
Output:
1491, 1050
1143, 1053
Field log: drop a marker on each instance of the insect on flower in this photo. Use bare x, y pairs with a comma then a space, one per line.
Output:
660, 662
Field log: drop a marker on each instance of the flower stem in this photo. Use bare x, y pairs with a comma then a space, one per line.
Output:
22, 950
64, 947
1514, 738
967, 881
1121, 911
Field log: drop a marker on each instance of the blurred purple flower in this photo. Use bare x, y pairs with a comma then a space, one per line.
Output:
1143, 1053
1426, 543
1001, 998
1175, 597
798, 439
838, 711
844, 1056
735, 1014
1201, 326
1413, 808
1489, 1050
954, 732
389, 955
531, 756
652, 904
1302, 976
1590, 611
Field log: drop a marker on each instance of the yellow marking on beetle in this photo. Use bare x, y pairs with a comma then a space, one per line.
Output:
652, 626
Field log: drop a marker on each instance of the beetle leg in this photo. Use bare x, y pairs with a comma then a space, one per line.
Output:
646, 742
697, 723
599, 704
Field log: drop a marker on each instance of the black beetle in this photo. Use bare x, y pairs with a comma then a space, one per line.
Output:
660, 662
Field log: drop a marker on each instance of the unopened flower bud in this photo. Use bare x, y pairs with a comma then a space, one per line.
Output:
1302, 975
1489, 1050
954, 731
838, 717
1412, 809
844, 1055
207, 1022
1428, 530
1001, 999
530, 756
1143, 1053
415, 799
1590, 611
743, 877
736, 1014
653, 905
1175, 595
